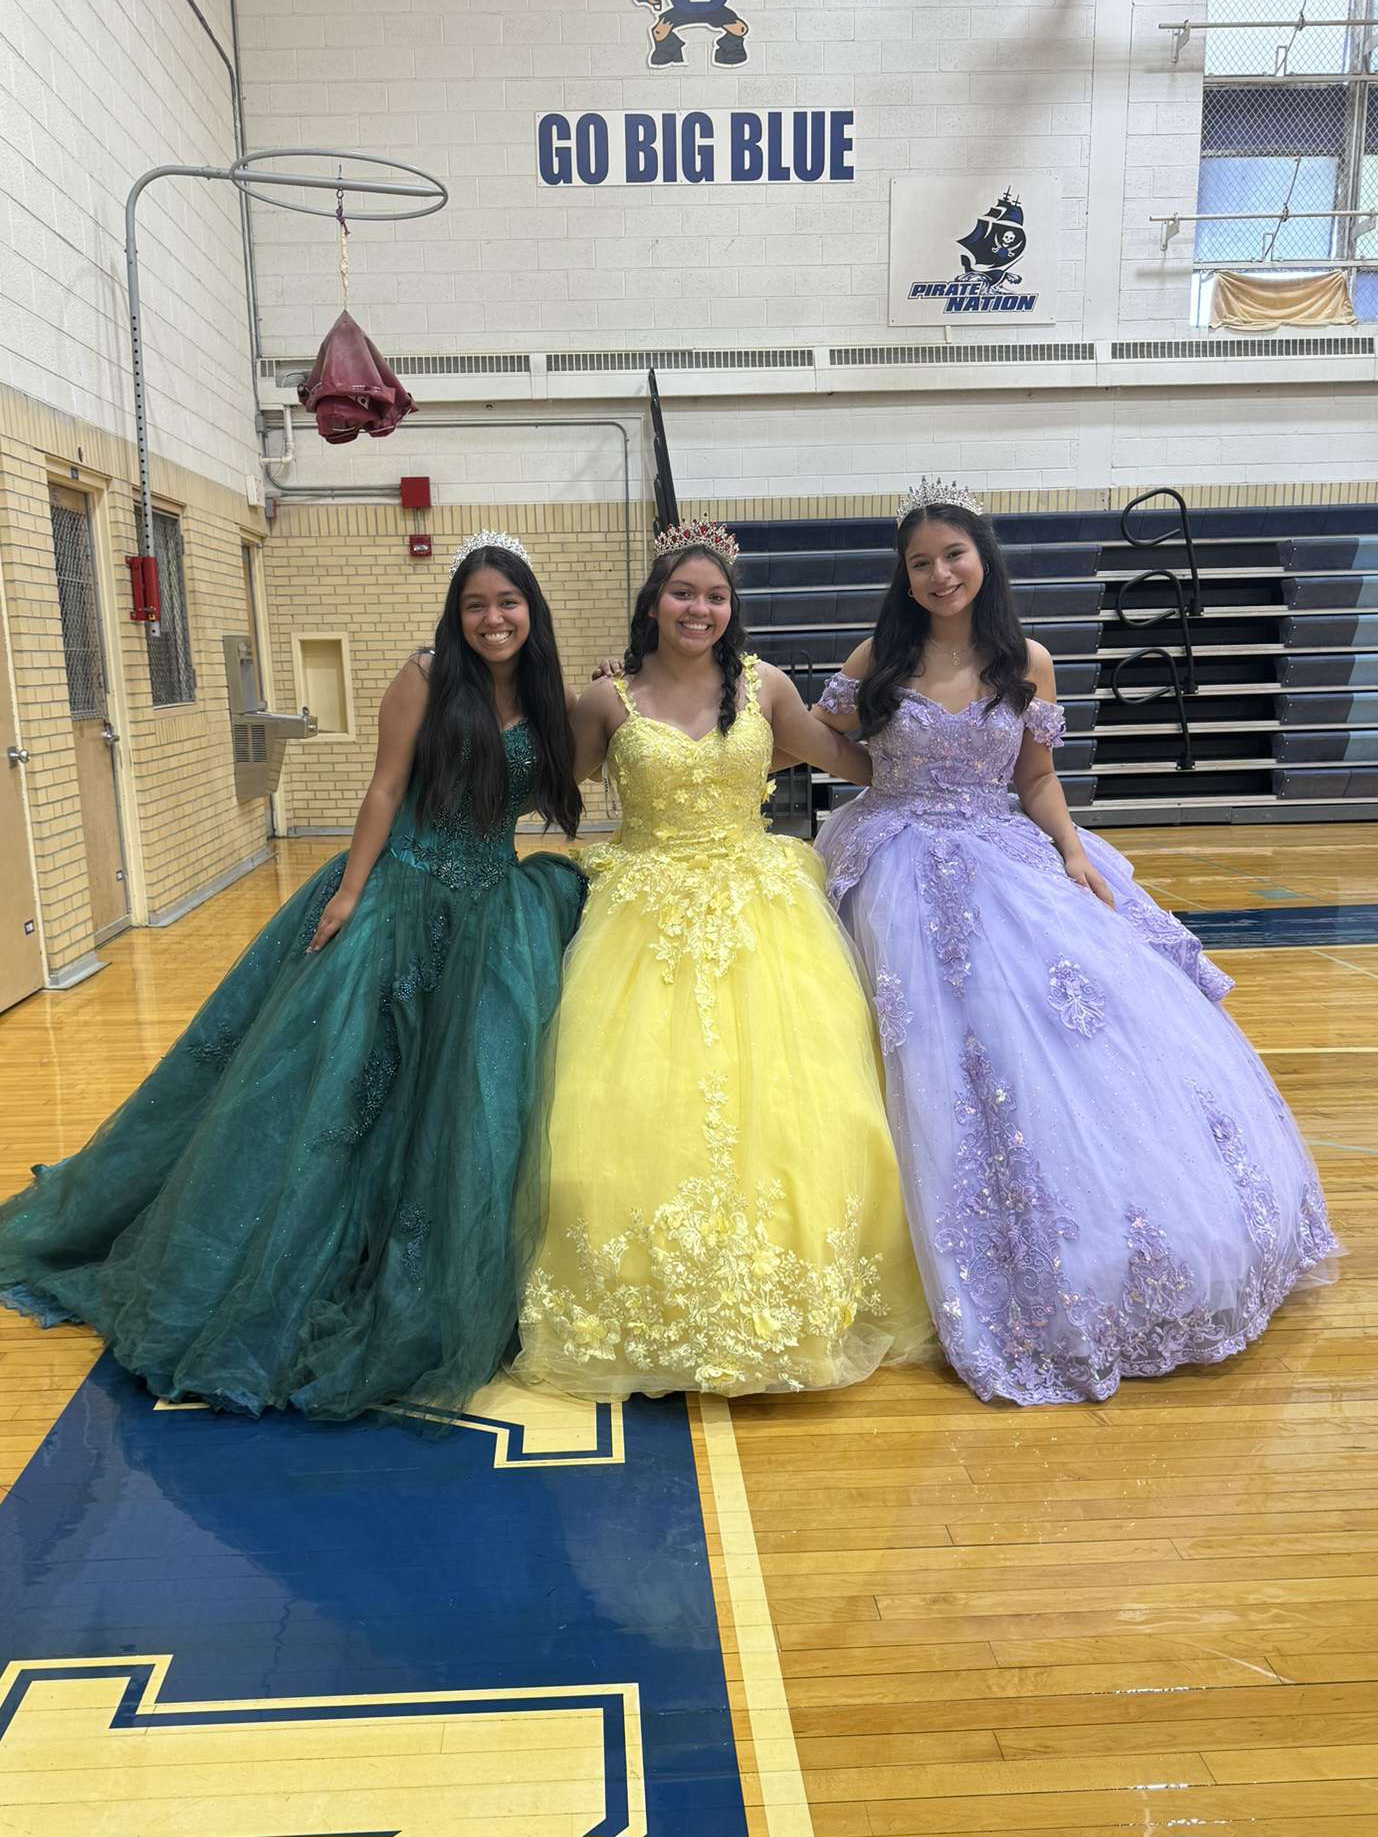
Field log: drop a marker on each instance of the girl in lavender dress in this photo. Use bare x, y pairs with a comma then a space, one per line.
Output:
1102, 1179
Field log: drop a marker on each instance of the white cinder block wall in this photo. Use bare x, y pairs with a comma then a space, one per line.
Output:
1084, 89
92, 94
455, 86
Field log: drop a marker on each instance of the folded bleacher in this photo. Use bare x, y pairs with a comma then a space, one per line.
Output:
1284, 721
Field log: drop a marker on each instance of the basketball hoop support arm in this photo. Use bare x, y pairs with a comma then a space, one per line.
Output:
245, 175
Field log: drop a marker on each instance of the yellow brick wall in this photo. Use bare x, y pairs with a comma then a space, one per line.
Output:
344, 569
184, 827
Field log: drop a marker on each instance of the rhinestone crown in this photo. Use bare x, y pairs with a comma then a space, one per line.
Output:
930, 492
488, 539
698, 534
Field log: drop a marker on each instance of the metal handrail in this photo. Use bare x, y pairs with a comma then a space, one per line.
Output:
1186, 606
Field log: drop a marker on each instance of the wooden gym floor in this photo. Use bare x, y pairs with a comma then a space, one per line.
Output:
937, 1617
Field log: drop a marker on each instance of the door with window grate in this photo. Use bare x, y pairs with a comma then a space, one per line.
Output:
83, 645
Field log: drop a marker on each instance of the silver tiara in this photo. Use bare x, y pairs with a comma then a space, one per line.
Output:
930, 492
488, 539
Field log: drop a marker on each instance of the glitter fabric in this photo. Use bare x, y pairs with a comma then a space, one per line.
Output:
308, 1201
1101, 1178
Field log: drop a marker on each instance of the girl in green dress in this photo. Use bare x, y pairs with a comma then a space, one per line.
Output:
309, 1201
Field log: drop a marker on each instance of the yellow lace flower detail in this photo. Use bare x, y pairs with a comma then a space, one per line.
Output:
701, 1294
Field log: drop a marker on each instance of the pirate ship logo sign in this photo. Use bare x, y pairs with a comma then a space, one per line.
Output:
993, 250
671, 17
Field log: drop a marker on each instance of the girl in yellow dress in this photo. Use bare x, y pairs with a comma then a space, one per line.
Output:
723, 1210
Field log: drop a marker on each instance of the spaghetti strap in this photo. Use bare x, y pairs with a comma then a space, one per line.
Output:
625, 696
753, 681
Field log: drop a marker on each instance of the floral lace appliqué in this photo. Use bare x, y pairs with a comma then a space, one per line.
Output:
453, 851
1171, 939
413, 1230
701, 1294
1047, 722
1078, 1002
700, 906
840, 695
892, 1011
1004, 1226
954, 918
692, 849
217, 1051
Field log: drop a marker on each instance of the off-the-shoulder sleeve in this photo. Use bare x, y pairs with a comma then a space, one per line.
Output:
840, 695
1046, 722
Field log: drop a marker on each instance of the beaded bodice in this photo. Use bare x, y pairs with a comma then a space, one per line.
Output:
693, 851
454, 850
935, 769
958, 762
688, 795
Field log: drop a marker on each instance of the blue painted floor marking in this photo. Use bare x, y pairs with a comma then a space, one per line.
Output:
283, 1559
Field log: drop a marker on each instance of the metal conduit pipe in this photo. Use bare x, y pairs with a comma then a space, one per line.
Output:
350, 492
231, 63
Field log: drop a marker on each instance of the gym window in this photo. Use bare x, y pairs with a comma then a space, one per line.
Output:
170, 669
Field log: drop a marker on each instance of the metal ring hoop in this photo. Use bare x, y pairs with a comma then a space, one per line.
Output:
434, 194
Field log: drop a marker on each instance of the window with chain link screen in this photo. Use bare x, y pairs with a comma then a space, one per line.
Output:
74, 559
169, 654
1290, 125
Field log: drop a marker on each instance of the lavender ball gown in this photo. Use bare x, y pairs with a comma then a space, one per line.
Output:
1102, 1179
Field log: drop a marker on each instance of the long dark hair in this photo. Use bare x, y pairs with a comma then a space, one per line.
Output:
460, 758
644, 636
903, 626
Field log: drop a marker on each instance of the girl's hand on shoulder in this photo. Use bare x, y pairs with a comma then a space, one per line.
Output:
607, 666
333, 920
1082, 874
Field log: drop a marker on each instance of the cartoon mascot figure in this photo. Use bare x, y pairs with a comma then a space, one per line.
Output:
667, 47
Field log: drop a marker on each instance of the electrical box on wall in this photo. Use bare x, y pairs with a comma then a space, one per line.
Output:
147, 604
416, 493
419, 547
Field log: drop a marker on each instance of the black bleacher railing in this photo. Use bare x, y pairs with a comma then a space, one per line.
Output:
1280, 608
1179, 668
666, 503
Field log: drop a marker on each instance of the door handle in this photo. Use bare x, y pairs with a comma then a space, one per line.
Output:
108, 734
18, 755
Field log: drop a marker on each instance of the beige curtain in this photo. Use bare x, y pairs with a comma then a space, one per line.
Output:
1254, 302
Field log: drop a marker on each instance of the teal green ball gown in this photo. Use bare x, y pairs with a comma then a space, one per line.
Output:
309, 1202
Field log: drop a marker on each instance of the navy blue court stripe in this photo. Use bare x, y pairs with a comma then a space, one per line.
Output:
1282, 927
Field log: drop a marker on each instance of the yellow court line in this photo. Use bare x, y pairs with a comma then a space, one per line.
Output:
783, 1798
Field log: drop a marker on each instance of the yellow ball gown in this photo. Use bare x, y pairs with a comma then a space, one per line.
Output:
723, 1208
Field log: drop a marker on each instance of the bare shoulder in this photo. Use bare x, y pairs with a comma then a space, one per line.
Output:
412, 681
860, 660
773, 686
600, 701
1041, 670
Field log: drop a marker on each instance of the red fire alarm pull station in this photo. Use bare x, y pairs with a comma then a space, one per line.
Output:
143, 580
416, 493
419, 547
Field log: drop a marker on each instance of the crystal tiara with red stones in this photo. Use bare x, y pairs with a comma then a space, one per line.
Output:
929, 493
488, 539
699, 534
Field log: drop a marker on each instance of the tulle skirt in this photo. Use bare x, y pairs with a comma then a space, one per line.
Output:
724, 1210
1102, 1178
310, 1201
